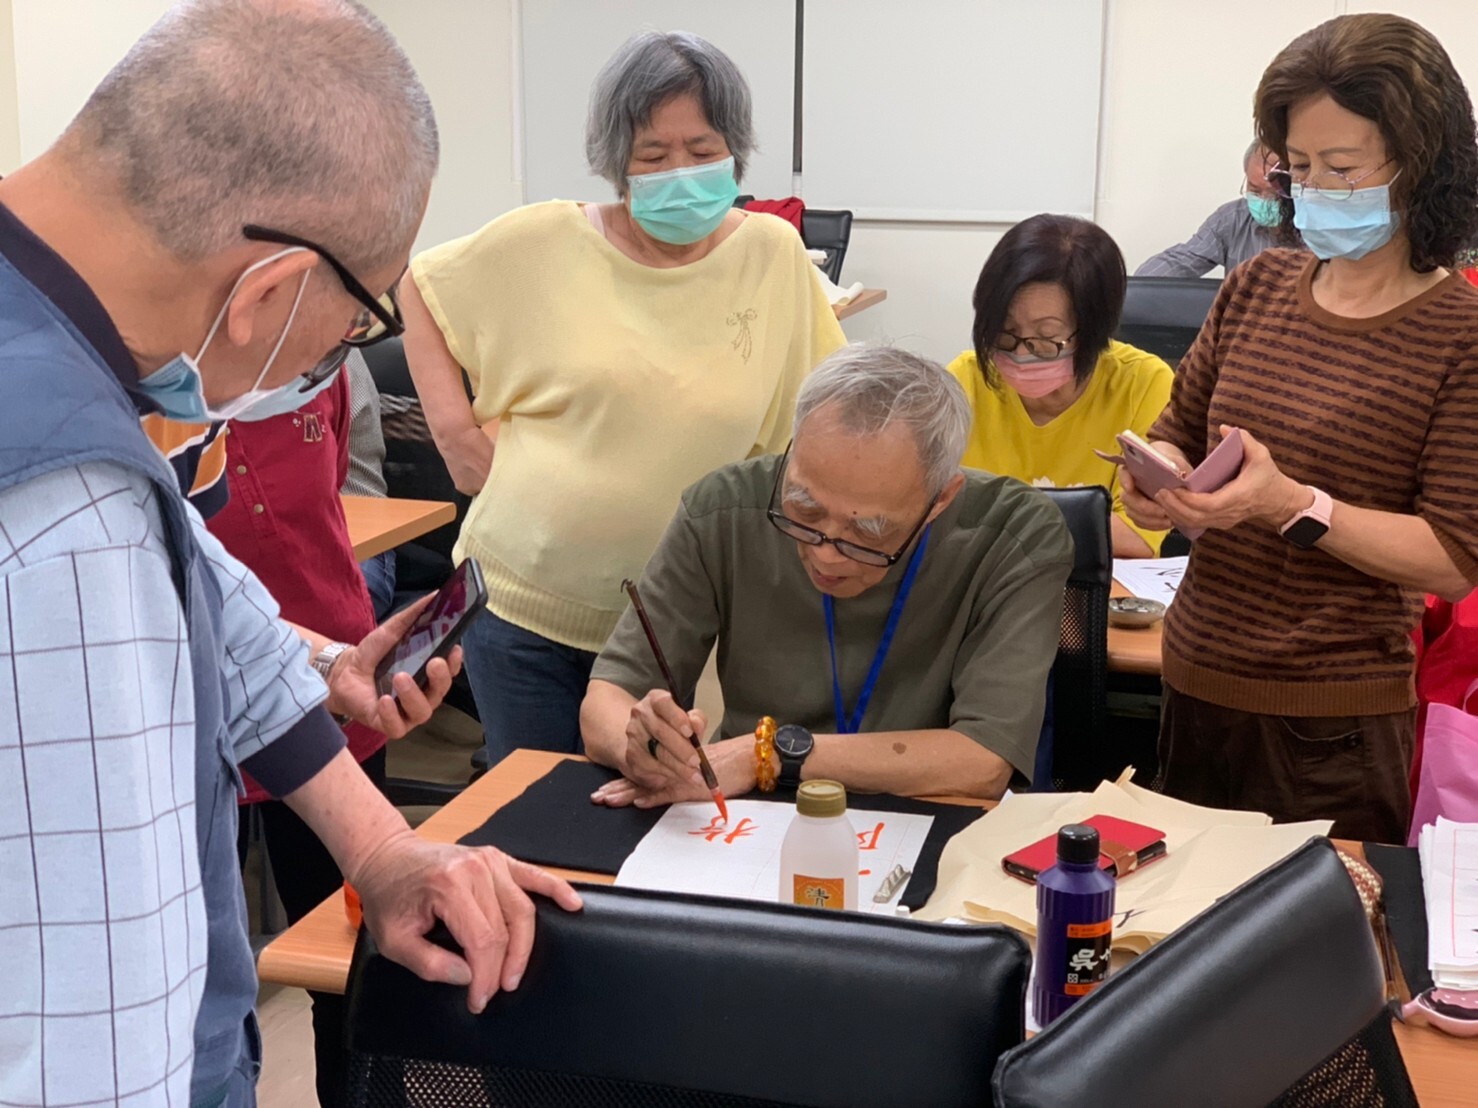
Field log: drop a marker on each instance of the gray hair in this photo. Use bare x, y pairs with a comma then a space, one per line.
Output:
306, 117
869, 388
1257, 145
650, 69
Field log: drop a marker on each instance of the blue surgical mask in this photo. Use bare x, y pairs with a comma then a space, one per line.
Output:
1348, 228
683, 206
282, 401
1266, 211
178, 389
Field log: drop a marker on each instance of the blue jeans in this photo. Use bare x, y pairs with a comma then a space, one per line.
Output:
379, 575
528, 688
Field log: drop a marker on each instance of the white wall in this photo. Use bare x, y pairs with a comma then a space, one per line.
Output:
464, 53
63, 48
1177, 112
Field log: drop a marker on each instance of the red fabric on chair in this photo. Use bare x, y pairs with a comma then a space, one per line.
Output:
790, 209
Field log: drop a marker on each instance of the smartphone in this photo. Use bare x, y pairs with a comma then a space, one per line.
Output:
437, 629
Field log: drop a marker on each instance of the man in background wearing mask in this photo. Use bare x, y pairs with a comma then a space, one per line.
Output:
1233, 233
207, 200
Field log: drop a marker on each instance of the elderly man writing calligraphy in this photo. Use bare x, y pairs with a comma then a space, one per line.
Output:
898, 615
204, 236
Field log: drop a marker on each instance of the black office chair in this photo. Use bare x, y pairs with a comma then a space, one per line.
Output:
830, 231
1275, 995
1082, 754
414, 469
822, 229
1164, 314
653, 999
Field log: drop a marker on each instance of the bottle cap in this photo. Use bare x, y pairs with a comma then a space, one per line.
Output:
820, 799
1078, 843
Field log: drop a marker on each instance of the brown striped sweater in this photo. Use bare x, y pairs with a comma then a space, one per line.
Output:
1380, 413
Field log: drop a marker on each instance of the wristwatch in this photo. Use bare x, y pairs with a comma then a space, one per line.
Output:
324, 660
1311, 524
793, 743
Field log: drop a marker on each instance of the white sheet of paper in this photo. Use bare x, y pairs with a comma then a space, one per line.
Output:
1449, 857
1151, 578
691, 851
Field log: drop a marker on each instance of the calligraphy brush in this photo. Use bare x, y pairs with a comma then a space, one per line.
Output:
709, 778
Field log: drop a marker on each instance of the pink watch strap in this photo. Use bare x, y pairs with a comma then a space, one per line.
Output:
1321, 509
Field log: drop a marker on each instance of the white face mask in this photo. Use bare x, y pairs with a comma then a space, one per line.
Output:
178, 387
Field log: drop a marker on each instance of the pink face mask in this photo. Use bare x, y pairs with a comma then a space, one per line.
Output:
1034, 379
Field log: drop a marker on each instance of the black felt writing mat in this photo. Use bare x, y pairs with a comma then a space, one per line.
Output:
553, 823
1400, 871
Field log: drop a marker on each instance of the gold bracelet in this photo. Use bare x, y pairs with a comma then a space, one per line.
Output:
764, 749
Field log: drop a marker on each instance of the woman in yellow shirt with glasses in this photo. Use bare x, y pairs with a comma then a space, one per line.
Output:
1046, 383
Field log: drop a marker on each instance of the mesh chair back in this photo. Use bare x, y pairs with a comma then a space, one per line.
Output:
651, 999
1082, 755
1164, 314
1275, 994
413, 467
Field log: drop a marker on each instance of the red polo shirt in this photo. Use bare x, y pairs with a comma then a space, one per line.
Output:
285, 522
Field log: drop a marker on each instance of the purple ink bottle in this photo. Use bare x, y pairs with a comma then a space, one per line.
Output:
1075, 920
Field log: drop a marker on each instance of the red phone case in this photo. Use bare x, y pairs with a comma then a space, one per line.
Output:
1126, 846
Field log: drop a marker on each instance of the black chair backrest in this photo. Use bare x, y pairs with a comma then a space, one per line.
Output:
830, 231
1275, 995
822, 229
1164, 314
655, 999
1081, 755
413, 467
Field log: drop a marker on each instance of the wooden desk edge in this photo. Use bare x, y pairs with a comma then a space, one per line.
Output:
865, 299
410, 519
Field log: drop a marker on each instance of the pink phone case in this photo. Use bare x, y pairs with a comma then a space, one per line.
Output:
1152, 471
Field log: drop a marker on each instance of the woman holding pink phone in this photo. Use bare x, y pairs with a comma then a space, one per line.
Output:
1351, 371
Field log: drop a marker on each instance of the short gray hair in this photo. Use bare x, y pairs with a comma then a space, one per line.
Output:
650, 69
303, 116
870, 388
1251, 150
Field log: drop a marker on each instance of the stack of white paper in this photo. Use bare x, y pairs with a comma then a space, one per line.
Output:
1449, 854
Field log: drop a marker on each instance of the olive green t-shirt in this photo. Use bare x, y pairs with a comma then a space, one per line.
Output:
977, 636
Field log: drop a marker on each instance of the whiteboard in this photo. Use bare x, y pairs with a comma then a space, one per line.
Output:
565, 42
960, 110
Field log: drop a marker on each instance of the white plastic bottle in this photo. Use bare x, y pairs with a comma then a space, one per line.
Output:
818, 860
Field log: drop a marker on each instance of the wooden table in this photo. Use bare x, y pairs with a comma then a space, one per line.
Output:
1133, 649
315, 952
378, 524
860, 303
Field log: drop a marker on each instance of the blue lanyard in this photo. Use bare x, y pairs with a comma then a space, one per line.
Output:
848, 725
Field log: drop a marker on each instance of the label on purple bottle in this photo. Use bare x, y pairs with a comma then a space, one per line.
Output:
1087, 954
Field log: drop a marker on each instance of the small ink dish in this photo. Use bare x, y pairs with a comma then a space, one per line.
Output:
1133, 611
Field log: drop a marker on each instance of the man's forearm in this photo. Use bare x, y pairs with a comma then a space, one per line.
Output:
349, 815
910, 763
603, 716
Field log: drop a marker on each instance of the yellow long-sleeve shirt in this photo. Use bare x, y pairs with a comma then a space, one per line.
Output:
1128, 390
616, 385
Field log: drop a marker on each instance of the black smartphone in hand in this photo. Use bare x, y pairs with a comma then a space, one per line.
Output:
437, 629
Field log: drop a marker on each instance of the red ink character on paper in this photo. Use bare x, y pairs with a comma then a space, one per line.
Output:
716, 827
868, 840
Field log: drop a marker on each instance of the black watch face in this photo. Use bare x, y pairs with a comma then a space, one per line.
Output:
1305, 533
793, 741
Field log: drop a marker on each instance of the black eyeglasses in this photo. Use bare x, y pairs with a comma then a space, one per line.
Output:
812, 537
379, 318
1035, 345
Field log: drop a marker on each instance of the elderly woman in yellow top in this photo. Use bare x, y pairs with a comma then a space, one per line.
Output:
617, 353
1046, 382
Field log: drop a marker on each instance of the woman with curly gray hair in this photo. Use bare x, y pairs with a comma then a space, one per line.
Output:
617, 353
1351, 372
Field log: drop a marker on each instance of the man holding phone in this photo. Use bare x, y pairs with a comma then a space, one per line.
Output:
205, 235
